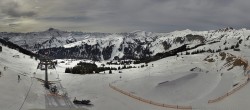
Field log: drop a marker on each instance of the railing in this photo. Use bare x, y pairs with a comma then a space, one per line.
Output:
149, 101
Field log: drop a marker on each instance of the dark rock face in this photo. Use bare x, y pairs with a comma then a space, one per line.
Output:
72, 40
82, 52
166, 45
191, 37
108, 46
95, 52
179, 40
106, 52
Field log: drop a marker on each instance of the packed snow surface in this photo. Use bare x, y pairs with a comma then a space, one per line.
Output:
168, 80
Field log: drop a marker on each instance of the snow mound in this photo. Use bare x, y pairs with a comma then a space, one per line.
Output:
178, 81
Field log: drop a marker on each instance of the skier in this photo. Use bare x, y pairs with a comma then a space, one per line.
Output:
19, 78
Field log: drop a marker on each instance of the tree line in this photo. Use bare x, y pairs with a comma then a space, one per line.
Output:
16, 47
87, 68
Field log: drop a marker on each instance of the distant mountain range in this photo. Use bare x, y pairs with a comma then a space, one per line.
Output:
131, 45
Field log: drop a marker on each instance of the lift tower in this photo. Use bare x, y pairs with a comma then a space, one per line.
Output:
46, 64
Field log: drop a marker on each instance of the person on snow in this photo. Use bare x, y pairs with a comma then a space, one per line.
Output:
19, 78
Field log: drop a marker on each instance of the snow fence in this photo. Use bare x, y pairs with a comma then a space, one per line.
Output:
149, 101
227, 94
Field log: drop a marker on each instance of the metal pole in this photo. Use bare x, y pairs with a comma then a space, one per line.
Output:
46, 83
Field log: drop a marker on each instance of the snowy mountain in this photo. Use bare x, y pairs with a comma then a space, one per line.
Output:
133, 45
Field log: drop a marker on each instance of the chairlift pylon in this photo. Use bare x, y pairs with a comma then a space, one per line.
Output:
46, 64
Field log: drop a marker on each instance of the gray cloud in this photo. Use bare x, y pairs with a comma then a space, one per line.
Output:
13, 9
129, 15
67, 19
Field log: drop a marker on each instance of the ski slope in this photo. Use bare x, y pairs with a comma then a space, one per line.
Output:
168, 80
15, 95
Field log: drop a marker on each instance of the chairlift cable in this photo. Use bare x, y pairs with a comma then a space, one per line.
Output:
26, 95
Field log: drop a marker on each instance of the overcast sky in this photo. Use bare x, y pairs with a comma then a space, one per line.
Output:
123, 15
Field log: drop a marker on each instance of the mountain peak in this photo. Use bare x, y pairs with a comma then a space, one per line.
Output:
138, 31
53, 29
226, 29
141, 33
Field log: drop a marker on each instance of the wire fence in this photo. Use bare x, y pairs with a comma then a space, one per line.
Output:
228, 94
149, 101
235, 89
26, 95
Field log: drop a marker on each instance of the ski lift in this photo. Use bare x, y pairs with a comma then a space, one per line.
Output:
46, 64
50, 64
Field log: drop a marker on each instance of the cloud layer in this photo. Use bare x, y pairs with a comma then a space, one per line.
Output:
13, 9
123, 15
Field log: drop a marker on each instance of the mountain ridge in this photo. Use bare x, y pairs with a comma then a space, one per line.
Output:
133, 45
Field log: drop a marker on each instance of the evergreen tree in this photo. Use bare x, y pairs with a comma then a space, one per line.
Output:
232, 47
67, 70
237, 45
226, 48
124, 67
240, 41
142, 66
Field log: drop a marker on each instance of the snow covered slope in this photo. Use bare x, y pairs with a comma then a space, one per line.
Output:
30, 94
13, 92
171, 80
